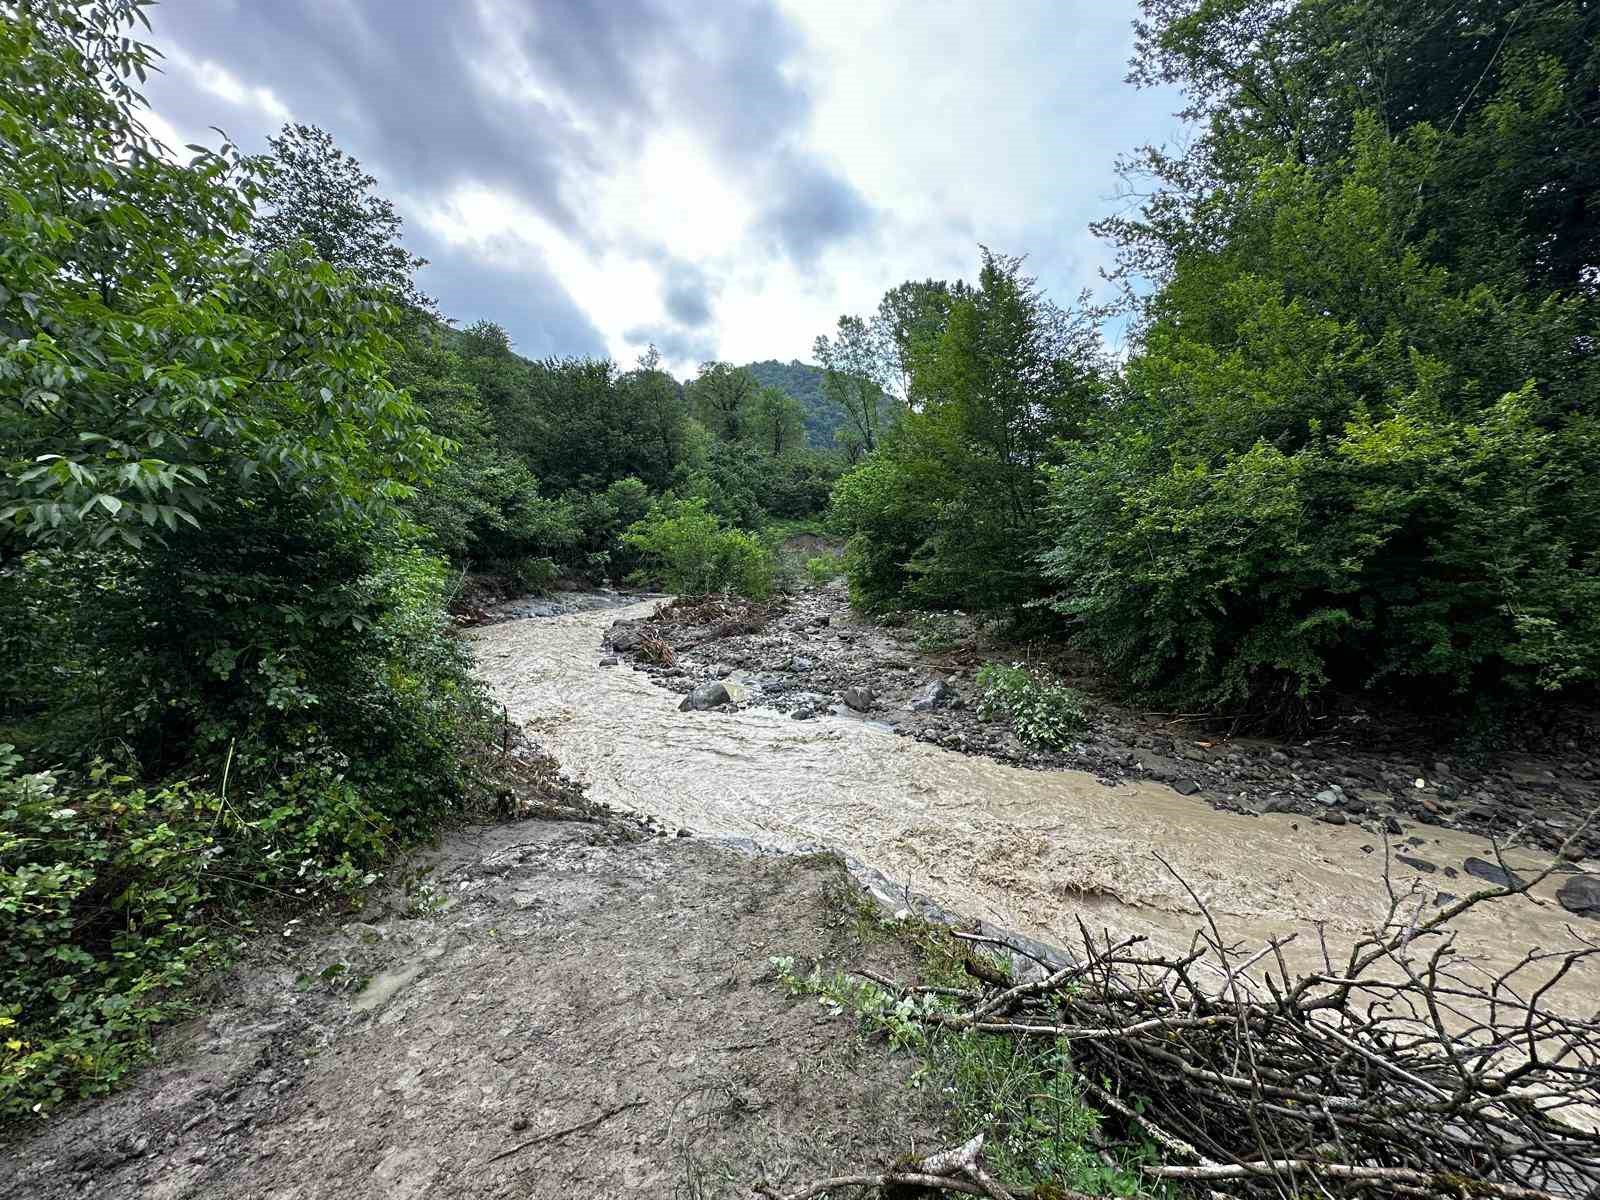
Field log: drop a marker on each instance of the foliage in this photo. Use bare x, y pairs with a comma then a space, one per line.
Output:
721, 395
1041, 711
1338, 464
948, 513
824, 568
313, 192
146, 364
690, 552
209, 577
852, 381
99, 892
803, 381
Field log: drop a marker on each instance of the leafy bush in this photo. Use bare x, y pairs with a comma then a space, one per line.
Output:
1041, 712
1339, 466
824, 568
101, 924
688, 550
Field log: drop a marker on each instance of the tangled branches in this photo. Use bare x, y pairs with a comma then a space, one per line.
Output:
1404, 1068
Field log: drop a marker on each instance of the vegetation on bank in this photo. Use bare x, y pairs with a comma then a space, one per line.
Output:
1351, 445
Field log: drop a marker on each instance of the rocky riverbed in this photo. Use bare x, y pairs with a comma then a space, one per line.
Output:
810, 654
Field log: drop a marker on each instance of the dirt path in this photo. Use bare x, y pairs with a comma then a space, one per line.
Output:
619, 991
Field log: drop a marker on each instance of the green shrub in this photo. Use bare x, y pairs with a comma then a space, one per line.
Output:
1041, 712
102, 895
688, 551
824, 568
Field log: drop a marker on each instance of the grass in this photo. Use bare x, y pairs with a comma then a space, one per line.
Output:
1025, 1097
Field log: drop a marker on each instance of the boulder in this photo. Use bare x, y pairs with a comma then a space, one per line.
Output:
1185, 787
931, 695
858, 698
1581, 894
707, 695
624, 635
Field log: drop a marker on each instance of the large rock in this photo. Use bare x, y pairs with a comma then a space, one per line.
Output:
858, 698
707, 695
624, 635
931, 695
1581, 895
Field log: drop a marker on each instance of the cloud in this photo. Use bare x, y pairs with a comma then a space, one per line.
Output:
724, 178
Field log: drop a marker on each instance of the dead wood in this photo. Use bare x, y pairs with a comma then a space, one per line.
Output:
1406, 1069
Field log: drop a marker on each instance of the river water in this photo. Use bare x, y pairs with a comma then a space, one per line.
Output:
1030, 851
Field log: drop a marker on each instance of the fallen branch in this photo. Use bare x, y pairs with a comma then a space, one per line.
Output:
563, 1132
1409, 1069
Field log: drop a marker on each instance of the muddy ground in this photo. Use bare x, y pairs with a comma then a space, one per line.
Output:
566, 1009
810, 653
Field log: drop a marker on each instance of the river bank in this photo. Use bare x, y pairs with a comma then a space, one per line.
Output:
810, 654
547, 1008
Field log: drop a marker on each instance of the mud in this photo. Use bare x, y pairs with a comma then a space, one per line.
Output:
558, 978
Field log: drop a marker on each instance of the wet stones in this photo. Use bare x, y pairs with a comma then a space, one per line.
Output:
1581, 895
1185, 787
707, 695
858, 698
931, 695
1491, 873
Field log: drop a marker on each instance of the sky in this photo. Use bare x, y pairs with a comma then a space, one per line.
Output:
722, 178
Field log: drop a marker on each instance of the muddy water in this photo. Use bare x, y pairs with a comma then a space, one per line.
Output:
1031, 851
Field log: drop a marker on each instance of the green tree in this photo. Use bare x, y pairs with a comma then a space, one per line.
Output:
775, 422
146, 365
853, 366
312, 191
721, 395
949, 513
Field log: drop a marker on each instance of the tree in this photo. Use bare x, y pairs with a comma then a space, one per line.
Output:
948, 512
314, 192
664, 411
853, 383
721, 395
775, 422
147, 367
910, 317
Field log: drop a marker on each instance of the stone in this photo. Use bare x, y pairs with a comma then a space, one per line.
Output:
1491, 873
624, 635
722, 670
609, 660
799, 664
1278, 804
803, 714
931, 695
1418, 864
1185, 787
1278, 758
1333, 817
1328, 796
1581, 895
858, 698
707, 695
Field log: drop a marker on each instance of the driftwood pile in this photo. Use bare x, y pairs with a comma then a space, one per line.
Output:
1402, 1068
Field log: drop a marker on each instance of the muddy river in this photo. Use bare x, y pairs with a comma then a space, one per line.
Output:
1031, 851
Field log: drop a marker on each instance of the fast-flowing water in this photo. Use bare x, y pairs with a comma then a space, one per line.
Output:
1028, 850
